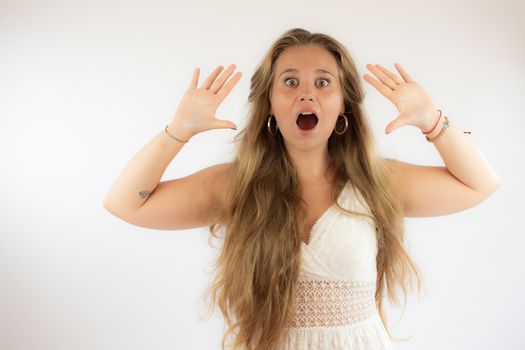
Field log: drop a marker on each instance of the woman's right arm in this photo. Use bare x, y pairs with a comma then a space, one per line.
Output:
137, 196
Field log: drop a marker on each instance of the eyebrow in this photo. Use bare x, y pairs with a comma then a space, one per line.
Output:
295, 70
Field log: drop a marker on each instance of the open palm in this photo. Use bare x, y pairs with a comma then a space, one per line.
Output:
196, 111
413, 103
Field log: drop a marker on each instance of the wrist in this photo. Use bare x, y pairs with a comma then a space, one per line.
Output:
177, 134
430, 125
438, 133
437, 129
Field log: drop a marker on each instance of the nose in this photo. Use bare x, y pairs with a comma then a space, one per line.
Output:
307, 93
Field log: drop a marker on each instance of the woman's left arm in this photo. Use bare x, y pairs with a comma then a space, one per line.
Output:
467, 178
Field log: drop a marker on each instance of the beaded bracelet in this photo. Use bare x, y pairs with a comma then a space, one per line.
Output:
445, 126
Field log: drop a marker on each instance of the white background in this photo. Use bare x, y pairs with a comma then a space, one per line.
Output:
84, 85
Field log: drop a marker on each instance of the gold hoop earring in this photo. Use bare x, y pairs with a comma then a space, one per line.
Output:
273, 133
346, 125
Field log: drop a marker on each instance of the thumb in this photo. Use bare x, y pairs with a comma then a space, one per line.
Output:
222, 124
393, 125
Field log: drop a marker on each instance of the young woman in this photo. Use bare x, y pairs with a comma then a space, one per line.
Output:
312, 216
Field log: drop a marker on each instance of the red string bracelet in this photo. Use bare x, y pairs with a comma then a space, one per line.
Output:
437, 121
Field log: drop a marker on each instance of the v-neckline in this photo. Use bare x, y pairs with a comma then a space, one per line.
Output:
314, 227
320, 219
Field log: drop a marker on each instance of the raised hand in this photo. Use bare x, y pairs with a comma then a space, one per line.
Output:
414, 105
196, 111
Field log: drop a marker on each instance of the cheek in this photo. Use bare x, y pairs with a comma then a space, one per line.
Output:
279, 99
334, 98
334, 104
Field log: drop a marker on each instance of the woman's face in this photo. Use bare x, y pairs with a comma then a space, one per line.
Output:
313, 85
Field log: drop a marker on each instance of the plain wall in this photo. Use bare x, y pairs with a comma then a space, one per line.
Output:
84, 85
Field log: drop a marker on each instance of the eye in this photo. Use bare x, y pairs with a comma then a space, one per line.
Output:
286, 80
293, 79
327, 81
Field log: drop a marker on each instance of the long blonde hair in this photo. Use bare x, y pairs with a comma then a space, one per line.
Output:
257, 269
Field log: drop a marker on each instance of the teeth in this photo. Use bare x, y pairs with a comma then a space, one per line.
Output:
306, 113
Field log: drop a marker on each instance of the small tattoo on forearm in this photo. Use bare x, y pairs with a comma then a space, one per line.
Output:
144, 194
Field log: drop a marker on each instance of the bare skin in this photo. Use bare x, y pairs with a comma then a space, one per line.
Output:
306, 88
138, 198
321, 91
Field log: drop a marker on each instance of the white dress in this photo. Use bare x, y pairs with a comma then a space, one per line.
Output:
336, 306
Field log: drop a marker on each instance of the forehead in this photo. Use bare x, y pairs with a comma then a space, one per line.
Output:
306, 57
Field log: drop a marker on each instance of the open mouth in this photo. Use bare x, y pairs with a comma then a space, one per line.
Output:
306, 121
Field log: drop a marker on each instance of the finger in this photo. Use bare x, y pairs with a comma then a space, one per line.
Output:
382, 76
225, 90
212, 77
220, 81
382, 88
195, 79
396, 123
403, 73
222, 124
391, 75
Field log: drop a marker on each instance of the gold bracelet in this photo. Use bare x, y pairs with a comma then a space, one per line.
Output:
445, 126
166, 129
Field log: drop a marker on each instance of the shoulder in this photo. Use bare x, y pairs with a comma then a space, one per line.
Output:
394, 169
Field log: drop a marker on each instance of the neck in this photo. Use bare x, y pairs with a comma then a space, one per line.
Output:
312, 166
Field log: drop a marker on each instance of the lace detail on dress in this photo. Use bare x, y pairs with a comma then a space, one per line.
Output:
332, 303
